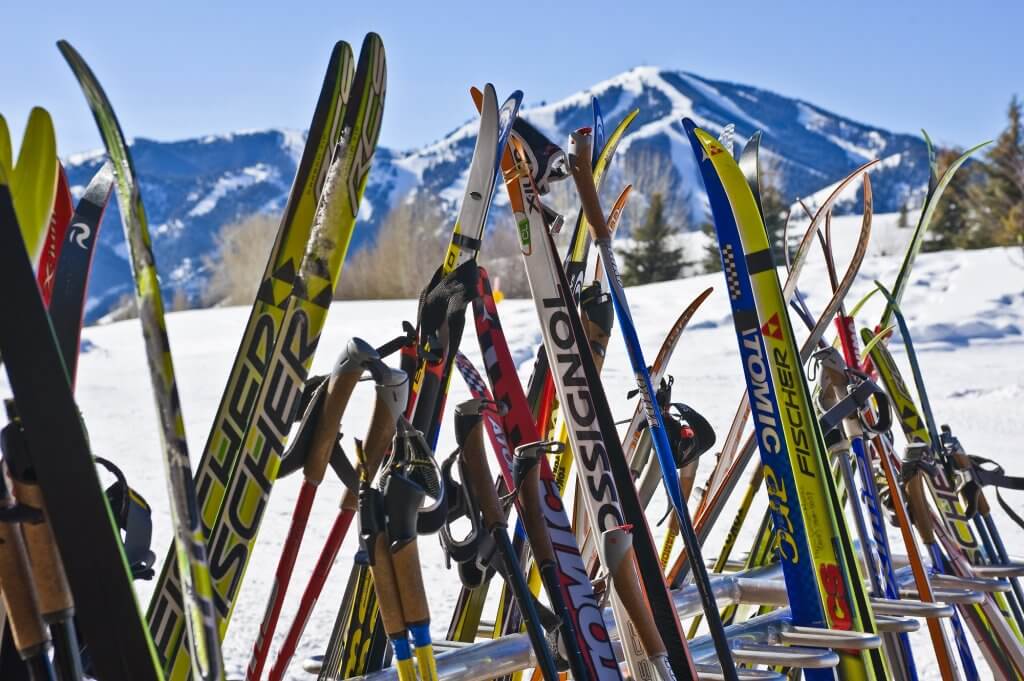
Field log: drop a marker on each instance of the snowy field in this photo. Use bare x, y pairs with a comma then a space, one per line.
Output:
966, 309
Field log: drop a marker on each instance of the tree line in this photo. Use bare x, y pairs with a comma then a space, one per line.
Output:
983, 206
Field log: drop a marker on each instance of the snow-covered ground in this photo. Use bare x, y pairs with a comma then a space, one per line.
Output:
966, 309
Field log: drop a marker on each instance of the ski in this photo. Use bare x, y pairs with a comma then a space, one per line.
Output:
79, 512
802, 494
71, 276
249, 370
631, 558
189, 541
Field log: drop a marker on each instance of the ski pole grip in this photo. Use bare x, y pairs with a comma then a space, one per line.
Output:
478, 474
52, 588
392, 394
409, 576
919, 508
340, 386
527, 458
621, 558
19, 594
580, 143
386, 586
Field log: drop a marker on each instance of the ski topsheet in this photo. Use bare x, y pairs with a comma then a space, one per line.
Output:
78, 511
189, 542
249, 370
814, 544
71, 277
518, 427
596, 445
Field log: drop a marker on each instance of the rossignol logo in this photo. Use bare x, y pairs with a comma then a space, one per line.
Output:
79, 233
580, 413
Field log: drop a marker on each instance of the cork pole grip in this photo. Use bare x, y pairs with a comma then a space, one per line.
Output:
406, 561
583, 176
480, 482
19, 594
339, 391
533, 517
626, 583
919, 509
52, 589
386, 586
375, 446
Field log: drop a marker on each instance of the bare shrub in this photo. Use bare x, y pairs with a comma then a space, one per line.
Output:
240, 260
399, 263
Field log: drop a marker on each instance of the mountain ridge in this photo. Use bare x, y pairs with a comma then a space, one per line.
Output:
192, 187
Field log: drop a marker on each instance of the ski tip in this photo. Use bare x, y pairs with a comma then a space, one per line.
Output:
688, 125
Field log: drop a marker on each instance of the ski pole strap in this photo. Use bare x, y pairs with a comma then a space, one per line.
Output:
464, 552
407, 339
441, 313
699, 438
859, 391
135, 519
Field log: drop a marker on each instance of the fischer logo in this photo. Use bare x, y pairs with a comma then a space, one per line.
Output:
78, 234
772, 328
580, 413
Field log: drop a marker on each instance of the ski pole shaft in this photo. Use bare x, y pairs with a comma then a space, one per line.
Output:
580, 149
392, 393
56, 604
470, 437
340, 386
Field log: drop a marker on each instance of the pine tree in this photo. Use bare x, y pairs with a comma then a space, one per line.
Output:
776, 214
954, 224
712, 256
652, 258
1001, 197
904, 220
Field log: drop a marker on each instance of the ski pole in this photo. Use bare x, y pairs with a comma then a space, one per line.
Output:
580, 149
469, 436
342, 382
21, 601
401, 497
374, 540
391, 394
56, 604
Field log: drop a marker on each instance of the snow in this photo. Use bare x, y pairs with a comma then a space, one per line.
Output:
966, 308
231, 182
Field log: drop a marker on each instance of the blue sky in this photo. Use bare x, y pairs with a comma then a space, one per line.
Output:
185, 68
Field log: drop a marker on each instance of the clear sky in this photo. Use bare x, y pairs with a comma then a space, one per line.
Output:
183, 68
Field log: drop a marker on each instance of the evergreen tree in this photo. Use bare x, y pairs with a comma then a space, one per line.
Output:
954, 224
776, 214
652, 258
904, 219
712, 256
1001, 197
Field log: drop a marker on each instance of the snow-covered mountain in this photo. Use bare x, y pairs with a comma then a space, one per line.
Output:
191, 188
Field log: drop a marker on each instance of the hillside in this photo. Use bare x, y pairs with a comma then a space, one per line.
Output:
193, 187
